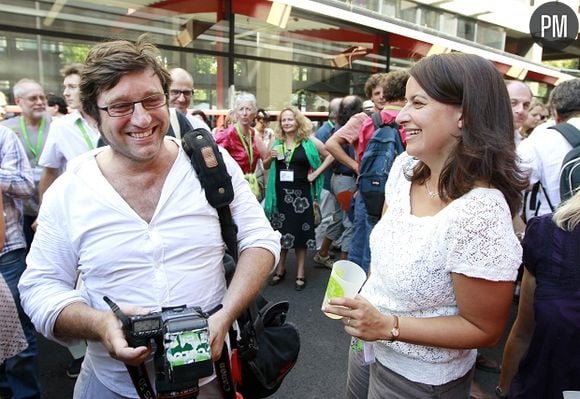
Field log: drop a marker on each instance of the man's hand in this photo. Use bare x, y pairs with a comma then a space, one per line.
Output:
113, 338
219, 324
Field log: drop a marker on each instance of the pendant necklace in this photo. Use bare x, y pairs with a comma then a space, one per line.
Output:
431, 194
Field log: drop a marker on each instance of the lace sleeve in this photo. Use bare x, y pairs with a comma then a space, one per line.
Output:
480, 241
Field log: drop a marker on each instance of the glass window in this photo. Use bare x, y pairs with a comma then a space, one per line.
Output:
192, 26
430, 18
389, 7
308, 41
466, 29
309, 88
448, 23
408, 11
490, 36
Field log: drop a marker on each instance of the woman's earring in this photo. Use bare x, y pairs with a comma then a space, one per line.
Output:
460, 124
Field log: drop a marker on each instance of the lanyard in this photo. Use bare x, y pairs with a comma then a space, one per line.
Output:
288, 154
81, 127
34, 150
250, 149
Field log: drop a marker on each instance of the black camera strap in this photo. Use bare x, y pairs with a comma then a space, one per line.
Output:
141, 381
209, 165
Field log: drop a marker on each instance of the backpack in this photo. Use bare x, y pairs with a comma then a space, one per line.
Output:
570, 170
375, 165
267, 347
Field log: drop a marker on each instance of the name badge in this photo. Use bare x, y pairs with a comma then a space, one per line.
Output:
287, 175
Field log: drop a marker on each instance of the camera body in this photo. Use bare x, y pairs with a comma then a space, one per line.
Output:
183, 353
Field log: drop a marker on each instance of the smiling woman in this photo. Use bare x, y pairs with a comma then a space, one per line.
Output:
443, 255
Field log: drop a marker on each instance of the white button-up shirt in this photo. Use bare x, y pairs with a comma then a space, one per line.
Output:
176, 259
541, 155
66, 140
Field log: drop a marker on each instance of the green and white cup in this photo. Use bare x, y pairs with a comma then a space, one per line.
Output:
280, 149
346, 279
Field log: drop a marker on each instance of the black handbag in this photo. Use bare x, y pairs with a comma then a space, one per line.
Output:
268, 348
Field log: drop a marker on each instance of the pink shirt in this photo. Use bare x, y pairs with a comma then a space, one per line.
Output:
350, 131
360, 128
230, 140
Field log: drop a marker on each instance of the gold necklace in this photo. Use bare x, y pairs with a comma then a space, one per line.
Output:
431, 194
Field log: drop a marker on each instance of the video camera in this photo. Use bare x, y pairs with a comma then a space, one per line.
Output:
183, 350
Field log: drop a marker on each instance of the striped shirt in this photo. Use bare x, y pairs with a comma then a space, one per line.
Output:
16, 184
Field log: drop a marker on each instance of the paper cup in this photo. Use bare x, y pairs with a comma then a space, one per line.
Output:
345, 280
280, 149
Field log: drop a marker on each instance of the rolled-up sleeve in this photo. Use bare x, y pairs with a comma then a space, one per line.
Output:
47, 285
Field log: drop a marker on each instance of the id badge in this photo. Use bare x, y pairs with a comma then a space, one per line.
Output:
287, 175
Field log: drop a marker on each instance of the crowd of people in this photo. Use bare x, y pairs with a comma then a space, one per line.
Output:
98, 196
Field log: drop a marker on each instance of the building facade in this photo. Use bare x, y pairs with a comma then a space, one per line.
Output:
300, 52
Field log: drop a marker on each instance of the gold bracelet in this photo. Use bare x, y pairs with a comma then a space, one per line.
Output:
395, 330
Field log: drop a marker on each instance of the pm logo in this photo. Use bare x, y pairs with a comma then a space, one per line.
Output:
554, 25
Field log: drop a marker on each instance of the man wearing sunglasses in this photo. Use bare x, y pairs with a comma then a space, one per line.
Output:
133, 220
180, 95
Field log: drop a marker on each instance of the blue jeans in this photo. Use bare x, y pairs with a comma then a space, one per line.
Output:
20, 371
360, 252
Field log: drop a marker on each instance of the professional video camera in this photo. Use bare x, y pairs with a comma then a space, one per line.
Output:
183, 351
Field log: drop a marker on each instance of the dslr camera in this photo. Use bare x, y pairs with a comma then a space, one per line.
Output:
183, 350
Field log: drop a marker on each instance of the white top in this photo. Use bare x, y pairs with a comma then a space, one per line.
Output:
176, 259
412, 259
541, 155
66, 140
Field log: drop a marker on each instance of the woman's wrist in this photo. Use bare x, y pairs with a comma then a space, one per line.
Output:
393, 332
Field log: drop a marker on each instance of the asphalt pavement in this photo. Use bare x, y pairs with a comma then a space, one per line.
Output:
320, 372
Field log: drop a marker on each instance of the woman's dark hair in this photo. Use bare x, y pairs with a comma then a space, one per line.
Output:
53, 100
349, 106
485, 150
262, 114
203, 116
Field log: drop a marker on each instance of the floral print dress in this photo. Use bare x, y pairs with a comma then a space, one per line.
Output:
294, 218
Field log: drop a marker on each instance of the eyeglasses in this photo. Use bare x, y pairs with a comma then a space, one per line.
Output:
176, 93
124, 109
36, 98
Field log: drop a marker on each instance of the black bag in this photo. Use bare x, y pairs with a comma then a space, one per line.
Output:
268, 346
268, 349
570, 171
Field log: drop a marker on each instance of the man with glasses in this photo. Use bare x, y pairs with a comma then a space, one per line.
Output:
134, 221
180, 94
69, 136
31, 127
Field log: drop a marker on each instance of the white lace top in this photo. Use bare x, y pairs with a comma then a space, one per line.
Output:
412, 259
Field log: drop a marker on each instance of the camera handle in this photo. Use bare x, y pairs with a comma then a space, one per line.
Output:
138, 374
